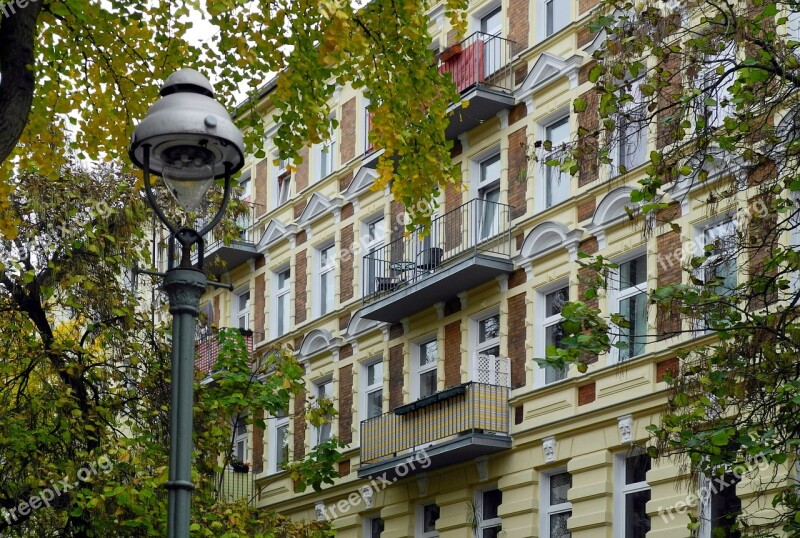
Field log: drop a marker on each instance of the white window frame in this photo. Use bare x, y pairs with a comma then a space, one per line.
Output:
705, 509
420, 521
543, 19
246, 183
621, 490
367, 389
325, 153
321, 307
240, 438
707, 77
417, 371
475, 346
616, 296
705, 270
319, 392
489, 185
368, 525
282, 296
542, 324
239, 315
544, 172
280, 192
276, 423
485, 524
367, 124
546, 509
629, 145
370, 244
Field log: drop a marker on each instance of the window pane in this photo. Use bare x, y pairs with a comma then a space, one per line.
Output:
281, 445
490, 169
492, 532
492, 500
375, 403
324, 433
375, 373
428, 353
558, 525
549, 15
243, 299
637, 522
427, 383
488, 328
282, 314
376, 230
430, 514
633, 272
558, 132
283, 279
634, 310
559, 487
376, 527
555, 301
636, 468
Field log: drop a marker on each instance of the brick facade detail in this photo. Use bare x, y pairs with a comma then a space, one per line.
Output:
669, 366
669, 267
258, 306
587, 394
518, 25
261, 185
668, 121
516, 339
301, 176
517, 172
348, 129
586, 209
344, 467
258, 443
345, 403
588, 129
517, 278
452, 353
346, 273
345, 352
300, 287
395, 376
586, 5
299, 425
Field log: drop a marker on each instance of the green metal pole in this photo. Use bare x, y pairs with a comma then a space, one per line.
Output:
184, 287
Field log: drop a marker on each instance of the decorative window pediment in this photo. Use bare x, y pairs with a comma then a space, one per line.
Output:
547, 237
364, 179
547, 69
359, 324
318, 205
610, 211
317, 341
275, 231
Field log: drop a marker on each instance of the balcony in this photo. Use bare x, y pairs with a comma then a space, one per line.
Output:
467, 246
482, 72
220, 257
456, 425
233, 486
207, 347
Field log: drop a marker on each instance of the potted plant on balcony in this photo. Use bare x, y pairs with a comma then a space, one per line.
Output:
238, 465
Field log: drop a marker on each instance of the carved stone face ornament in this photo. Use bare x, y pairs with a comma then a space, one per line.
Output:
549, 449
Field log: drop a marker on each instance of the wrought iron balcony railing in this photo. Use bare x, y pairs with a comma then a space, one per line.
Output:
457, 412
479, 226
479, 59
233, 486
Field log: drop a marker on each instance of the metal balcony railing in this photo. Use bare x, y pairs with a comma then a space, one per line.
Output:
207, 347
479, 59
455, 412
233, 486
479, 226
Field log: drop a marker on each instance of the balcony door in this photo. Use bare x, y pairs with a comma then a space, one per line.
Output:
241, 309
489, 198
491, 28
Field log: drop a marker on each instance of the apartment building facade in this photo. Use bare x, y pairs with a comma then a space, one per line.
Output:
426, 342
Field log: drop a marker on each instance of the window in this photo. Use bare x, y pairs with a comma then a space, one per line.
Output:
489, 367
240, 438
424, 369
491, 28
373, 527
279, 442
488, 505
556, 16
281, 321
556, 181
630, 302
246, 186
427, 515
372, 383
714, 101
327, 152
241, 309
720, 260
489, 196
373, 238
367, 125
629, 147
556, 508
323, 390
720, 507
326, 272
632, 494
282, 181
550, 330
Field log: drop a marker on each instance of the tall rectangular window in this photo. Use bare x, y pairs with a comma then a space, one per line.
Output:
241, 309
323, 390
489, 196
556, 16
550, 329
327, 152
424, 368
427, 516
556, 182
720, 507
489, 367
373, 239
373, 527
630, 302
633, 491
282, 302
715, 98
491, 28
556, 508
283, 182
720, 243
372, 389
240, 438
629, 147
489, 523
279, 438
326, 273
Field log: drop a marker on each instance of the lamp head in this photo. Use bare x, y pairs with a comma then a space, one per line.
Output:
190, 138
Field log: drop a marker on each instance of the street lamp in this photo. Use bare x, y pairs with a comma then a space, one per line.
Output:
189, 140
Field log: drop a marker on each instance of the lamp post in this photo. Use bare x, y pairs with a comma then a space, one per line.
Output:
188, 139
